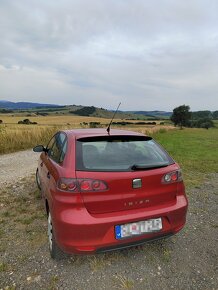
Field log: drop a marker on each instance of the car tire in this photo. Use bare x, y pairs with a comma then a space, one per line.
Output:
38, 182
55, 251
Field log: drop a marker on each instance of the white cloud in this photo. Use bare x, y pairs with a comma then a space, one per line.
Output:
148, 55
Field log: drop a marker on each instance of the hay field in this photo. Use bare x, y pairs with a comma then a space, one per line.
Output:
54, 120
59, 119
15, 137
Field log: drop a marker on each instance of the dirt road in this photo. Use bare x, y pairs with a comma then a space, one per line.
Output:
186, 261
15, 166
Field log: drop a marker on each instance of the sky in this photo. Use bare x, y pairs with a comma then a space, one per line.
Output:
148, 55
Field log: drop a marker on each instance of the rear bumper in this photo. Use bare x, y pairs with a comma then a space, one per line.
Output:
132, 244
77, 231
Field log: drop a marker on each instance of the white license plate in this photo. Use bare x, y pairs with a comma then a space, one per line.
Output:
138, 228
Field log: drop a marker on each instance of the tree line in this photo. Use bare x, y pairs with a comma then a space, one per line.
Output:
183, 117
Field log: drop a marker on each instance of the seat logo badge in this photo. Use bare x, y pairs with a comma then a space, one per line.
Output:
137, 183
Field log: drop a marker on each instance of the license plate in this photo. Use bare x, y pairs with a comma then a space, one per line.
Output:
138, 228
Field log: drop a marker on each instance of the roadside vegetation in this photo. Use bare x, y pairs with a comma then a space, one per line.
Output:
193, 148
182, 116
15, 134
15, 138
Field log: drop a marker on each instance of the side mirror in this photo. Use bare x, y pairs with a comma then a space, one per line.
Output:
39, 148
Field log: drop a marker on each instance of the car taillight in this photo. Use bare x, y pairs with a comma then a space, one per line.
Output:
80, 184
68, 184
171, 177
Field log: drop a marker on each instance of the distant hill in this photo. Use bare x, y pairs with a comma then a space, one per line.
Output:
24, 105
101, 112
91, 111
155, 114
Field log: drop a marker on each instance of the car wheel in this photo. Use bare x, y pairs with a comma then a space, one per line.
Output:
55, 251
38, 179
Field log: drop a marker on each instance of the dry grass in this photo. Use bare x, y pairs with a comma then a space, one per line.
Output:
124, 282
149, 129
58, 119
52, 119
15, 137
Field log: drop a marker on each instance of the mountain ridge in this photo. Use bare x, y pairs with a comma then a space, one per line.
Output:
8, 105
24, 105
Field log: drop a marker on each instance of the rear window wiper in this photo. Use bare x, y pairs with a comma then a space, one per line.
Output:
149, 166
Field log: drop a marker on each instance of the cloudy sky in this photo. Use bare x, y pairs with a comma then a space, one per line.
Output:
145, 54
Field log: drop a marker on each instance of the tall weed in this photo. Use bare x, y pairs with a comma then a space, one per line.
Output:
15, 138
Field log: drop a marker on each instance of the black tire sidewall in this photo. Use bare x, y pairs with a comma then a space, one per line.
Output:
55, 252
37, 179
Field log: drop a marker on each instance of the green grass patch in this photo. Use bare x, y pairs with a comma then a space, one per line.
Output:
38, 194
194, 149
3, 267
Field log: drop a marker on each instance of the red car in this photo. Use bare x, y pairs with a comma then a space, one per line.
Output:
106, 191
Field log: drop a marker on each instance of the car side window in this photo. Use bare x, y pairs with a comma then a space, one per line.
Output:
57, 147
64, 146
50, 144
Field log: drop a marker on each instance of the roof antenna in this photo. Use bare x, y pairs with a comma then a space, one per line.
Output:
109, 126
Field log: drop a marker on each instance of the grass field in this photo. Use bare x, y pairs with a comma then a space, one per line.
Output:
52, 119
14, 136
194, 149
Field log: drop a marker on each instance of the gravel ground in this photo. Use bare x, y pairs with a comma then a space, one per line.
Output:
187, 260
17, 165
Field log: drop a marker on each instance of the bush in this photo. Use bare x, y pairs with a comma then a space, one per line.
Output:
94, 124
27, 122
202, 123
83, 124
5, 111
122, 123
42, 114
145, 123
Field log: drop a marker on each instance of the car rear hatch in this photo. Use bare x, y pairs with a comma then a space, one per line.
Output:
132, 167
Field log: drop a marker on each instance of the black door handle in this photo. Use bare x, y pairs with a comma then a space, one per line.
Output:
48, 175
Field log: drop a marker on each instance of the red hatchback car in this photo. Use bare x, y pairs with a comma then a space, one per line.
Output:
106, 191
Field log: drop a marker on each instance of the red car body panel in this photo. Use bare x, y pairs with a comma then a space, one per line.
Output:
84, 222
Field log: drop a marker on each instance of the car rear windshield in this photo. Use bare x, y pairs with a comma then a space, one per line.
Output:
119, 153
